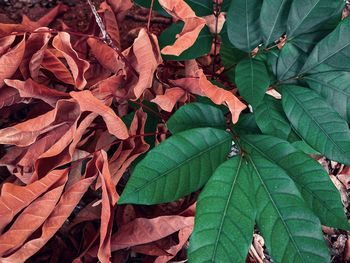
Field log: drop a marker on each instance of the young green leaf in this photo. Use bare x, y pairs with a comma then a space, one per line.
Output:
252, 80
311, 179
178, 166
334, 88
200, 47
273, 21
331, 53
307, 15
196, 115
317, 122
225, 216
292, 233
243, 26
291, 59
271, 119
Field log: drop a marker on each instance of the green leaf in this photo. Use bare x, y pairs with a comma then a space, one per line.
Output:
304, 147
196, 115
178, 166
307, 15
201, 47
225, 216
317, 122
252, 80
271, 119
334, 88
156, 6
311, 179
292, 233
246, 124
273, 19
230, 55
225, 5
290, 61
243, 26
201, 7
332, 52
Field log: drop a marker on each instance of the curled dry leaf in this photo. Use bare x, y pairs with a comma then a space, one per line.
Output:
5, 43
31, 218
179, 9
145, 57
211, 22
9, 96
31, 89
120, 7
110, 22
77, 65
14, 198
170, 98
10, 61
63, 209
88, 102
200, 85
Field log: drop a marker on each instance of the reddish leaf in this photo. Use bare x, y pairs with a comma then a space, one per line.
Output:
143, 230
77, 65
31, 89
31, 218
9, 96
14, 198
120, 7
25, 133
54, 65
10, 61
200, 85
51, 15
34, 53
110, 21
179, 9
5, 43
64, 208
169, 99
88, 102
105, 55
145, 57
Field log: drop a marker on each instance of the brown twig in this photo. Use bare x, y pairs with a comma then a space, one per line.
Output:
216, 14
150, 15
108, 40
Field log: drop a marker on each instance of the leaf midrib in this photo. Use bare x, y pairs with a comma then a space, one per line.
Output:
277, 210
180, 164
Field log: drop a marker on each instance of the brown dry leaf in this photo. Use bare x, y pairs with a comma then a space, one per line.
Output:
144, 230
25, 133
120, 7
14, 198
36, 45
342, 189
31, 218
110, 22
145, 57
77, 65
31, 89
63, 209
10, 61
211, 22
51, 15
5, 43
200, 85
179, 9
109, 199
106, 55
9, 96
183, 236
88, 102
170, 98
52, 63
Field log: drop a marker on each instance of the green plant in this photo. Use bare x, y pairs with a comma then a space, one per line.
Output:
303, 52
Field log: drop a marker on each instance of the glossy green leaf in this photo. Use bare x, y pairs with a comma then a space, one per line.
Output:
311, 179
307, 15
252, 80
225, 216
243, 27
196, 115
201, 47
317, 122
225, 5
334, 88
332, 52
230, 55
273, 20
291, 59
246, 124
178, 166
271, 119
156, 6
292, 233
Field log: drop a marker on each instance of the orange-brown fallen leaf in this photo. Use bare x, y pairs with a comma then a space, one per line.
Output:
170, 98
179, 9
200, 85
